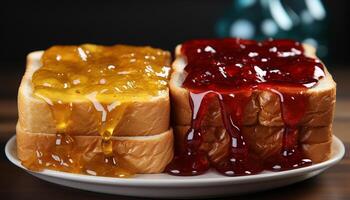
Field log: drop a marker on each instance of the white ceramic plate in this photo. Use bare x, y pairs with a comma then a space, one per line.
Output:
210, 184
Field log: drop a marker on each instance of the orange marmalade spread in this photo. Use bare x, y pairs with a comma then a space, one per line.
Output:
109, 77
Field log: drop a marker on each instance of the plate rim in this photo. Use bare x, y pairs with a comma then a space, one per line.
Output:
195, 180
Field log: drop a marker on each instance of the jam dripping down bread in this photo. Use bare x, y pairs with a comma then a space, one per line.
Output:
234, 84
92, 109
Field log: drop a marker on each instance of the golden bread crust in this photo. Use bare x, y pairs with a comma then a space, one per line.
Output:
145, 154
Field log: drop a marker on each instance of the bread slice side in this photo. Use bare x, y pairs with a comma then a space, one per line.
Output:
264, 107
145, 154
263, 141
140, 118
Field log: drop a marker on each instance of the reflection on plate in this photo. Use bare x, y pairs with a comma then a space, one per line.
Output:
210, 184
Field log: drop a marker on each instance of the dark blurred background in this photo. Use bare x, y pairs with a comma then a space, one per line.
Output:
33, 25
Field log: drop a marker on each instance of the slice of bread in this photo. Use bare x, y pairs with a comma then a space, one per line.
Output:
262, 121
141, 118
144, 154
142, 139
263, 141
264, 107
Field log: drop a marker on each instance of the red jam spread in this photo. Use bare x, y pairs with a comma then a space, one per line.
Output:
231, 70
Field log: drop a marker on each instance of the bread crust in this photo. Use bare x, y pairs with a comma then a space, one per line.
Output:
144, 154
140, 118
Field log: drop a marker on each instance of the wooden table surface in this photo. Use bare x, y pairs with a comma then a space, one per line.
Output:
15, 183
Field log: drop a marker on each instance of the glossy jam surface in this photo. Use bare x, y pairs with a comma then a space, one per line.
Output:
232, 64
231, 70
106, 73
107, 77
